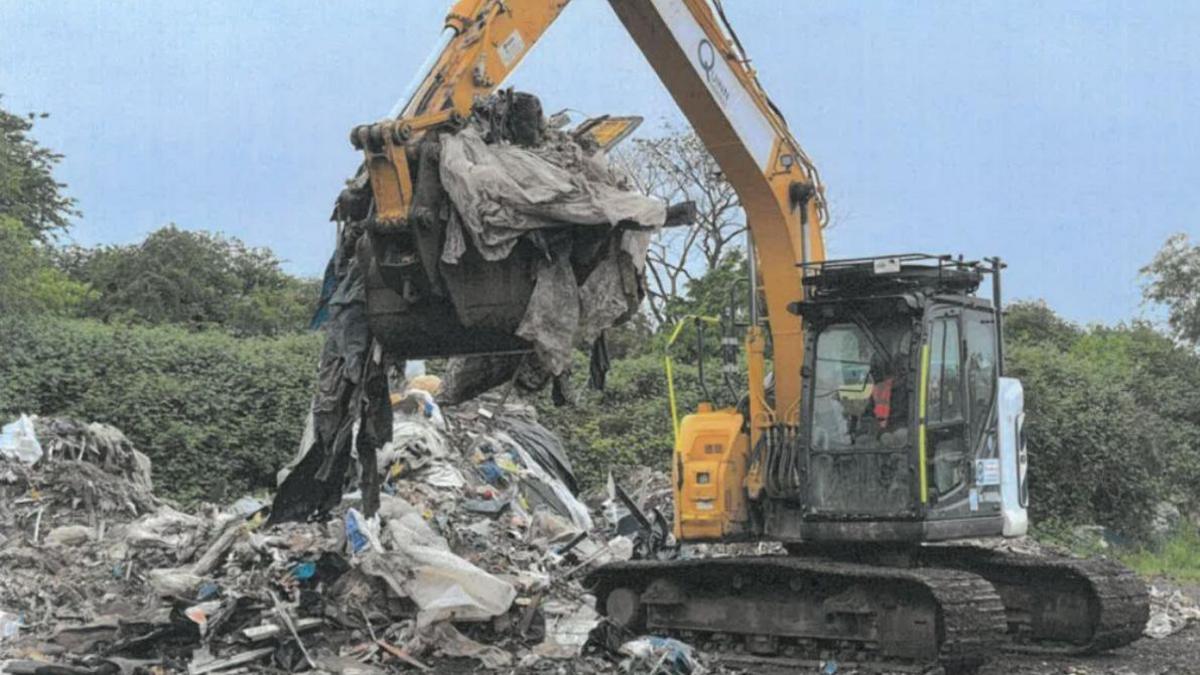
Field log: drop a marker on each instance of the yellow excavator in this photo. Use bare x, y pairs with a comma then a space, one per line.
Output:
878, 432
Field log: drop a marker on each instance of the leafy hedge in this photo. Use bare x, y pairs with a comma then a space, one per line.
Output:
626, 425
217, 414
1114, 413
1113, 418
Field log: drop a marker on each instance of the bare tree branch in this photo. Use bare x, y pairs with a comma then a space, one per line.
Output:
677, 167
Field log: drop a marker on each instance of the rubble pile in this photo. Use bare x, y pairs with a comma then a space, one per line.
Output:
472, 562
1170, 612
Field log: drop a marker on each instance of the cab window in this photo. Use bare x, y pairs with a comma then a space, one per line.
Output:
945, 404
981, 371
944, 414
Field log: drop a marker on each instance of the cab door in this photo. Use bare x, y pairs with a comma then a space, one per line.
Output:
943, 449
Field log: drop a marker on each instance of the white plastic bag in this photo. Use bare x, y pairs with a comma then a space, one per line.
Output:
10, 625
173, 581
19, 441
165, 528
446, 587
443, 585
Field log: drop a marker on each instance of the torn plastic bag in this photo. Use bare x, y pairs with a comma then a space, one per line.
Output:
567, 628
18, 441
551, 320
420, 404
446, 587
415, 442
70, 535
666, 656
467, 377
165, 528
443, 585
544, 487
350, 409
422, 568
10, 625
406, 526
443, 475
174, 582
362, 534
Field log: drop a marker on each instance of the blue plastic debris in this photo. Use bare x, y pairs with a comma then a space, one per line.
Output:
358, 539
491, 472
207, 591
668, 654
305, 570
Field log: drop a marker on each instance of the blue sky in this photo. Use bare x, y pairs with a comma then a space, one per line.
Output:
1063, 136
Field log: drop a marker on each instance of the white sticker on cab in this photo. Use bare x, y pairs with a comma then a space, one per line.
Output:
987, 472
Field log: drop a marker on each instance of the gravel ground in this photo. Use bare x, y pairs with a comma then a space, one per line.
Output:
1177, 654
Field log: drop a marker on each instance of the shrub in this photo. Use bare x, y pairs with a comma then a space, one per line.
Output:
628, 424
217, 414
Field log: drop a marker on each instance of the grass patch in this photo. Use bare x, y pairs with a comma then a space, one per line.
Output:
1177, 557
1081, 542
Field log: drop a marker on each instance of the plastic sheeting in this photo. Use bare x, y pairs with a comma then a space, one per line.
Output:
502, 192
478, 195
419, 564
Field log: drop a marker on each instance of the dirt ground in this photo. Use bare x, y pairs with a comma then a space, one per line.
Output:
1178, 654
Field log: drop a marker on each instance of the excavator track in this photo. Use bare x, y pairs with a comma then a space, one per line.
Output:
1056, 604
782, 610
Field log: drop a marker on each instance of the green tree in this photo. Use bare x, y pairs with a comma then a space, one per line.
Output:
29, 193
29, 282
1174, 281
1034, 321
1096, 455
1113, 415
196, 279
676, 167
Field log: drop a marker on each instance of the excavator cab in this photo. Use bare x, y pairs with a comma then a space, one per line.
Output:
908, 432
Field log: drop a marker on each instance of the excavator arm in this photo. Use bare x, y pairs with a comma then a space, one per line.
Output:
698, 58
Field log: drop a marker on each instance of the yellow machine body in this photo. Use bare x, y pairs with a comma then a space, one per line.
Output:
709, 475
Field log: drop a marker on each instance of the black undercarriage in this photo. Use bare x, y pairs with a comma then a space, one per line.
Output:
904, 609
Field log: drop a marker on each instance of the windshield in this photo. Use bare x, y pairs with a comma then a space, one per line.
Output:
860, 391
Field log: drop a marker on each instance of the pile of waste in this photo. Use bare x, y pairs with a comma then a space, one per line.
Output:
1170, 612
519, 242
473, 560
